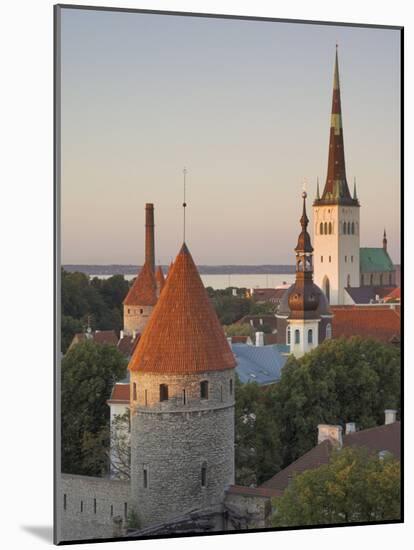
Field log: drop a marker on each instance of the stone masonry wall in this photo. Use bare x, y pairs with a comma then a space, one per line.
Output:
87, 506
135, 318
173, 440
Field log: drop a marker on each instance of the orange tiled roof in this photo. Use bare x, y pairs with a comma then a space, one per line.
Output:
120, 394
183, 334
159, 277
143, 291
379, 323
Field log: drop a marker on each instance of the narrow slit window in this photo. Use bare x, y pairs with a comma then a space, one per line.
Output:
112, 510
231, 386
126, 510
145, 478
163, 392
94, 505
204, 389
81, 506
146, 397
64, 501
221, 393
184, 398
134, 391
204, 475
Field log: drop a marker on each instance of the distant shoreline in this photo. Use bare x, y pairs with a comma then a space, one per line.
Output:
203, 269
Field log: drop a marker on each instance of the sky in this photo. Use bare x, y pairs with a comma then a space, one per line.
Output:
243, 105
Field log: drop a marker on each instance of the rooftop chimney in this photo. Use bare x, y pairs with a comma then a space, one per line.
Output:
259, 338
149, 236
390, 416
331, 432
350, 428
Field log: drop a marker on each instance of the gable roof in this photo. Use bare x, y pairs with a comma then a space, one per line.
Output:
374, 260
368, 294
143, 291
261, 364
102, 337
381, 438
127, 344
183, 334
381, 323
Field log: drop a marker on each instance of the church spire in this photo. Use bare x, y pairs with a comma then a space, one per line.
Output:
384, 241
336, 190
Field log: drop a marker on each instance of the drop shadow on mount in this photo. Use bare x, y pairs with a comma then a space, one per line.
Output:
43, 532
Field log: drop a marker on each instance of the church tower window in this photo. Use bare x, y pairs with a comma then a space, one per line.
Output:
353, 228
328, 333
310, 336
297, 336
330, 228
145, 477
231, 386
288, 330
321, 228
325, 228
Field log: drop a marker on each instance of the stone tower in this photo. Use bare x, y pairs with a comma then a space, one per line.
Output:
142, 296
182, 403
336, 216
304, 318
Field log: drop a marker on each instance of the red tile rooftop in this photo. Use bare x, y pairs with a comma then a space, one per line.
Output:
381, 323
183, 334
143, 291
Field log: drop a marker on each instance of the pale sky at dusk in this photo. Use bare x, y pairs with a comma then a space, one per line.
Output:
245, 106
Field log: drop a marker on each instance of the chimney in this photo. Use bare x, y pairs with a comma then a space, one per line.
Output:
149, 236
229, 340
234, 291
121, 334
390, 416
350, 428
331, 432
259, 338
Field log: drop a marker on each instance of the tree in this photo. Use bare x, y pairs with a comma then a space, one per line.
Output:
239, 329
88, 374
340, 381
354, 487
257, 448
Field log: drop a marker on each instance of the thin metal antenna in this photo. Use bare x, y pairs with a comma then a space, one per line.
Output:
184, 203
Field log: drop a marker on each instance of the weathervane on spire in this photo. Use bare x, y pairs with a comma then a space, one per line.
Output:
184, 203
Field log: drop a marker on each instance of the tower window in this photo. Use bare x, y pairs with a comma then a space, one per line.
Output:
329, 259
321, 259
344, 228
349, 228
129, 311
288, 335
125, 510
321, 228
134, 391
64, 501
330, 228
221, 393
297, 336
345, 259
81, 505
146, 397
184, 398
112, 510
145, 477
94, 505
325, 228
204, 475
328, 333
352, 259
310, 336
204, 389
231, 386
163, 392
141, 311
352, 228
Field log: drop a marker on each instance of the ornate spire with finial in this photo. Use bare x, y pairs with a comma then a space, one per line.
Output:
384, 241
304, 298
317, 189
184, 202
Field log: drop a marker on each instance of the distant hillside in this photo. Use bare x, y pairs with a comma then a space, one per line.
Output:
203, 269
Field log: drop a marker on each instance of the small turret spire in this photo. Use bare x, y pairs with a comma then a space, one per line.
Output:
355, 192
317, 189
384, 241
184, 203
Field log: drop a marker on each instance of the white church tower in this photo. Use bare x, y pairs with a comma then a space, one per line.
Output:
336, 217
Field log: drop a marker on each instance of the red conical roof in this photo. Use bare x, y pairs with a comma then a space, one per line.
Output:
143, 292
183, 334
159, 277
